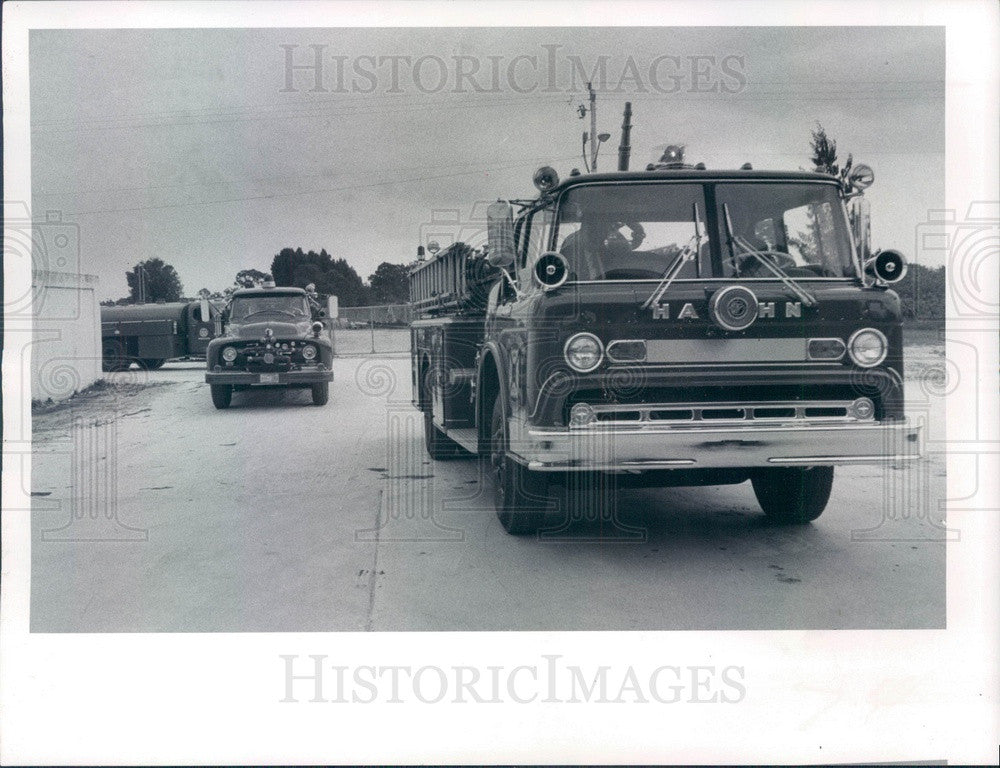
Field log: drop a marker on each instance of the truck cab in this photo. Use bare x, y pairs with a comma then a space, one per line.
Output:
677, 326
270, 340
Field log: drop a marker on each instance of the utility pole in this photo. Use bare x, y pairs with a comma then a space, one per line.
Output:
625, 148
593, 127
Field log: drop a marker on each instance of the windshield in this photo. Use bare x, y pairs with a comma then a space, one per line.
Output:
629, 232
635, 231
287, 305
802, 227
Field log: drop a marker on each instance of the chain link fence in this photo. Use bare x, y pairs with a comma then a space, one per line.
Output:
380, 329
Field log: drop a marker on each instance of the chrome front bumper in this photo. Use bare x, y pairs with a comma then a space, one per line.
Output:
660, 446
282, 379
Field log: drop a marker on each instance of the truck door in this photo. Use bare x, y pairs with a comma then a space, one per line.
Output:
200, 326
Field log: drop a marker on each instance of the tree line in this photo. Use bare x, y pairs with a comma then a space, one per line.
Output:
154, 280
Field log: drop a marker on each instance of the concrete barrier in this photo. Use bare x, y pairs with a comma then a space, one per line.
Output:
66, 334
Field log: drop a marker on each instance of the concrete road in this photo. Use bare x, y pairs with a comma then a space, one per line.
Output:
155, 512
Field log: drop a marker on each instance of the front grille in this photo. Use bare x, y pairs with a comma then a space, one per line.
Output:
258, 358
726, 413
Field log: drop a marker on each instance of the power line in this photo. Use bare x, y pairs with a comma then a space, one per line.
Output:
350, 110
278, 195
290, 177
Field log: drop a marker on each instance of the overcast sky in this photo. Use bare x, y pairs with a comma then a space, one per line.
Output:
189, 145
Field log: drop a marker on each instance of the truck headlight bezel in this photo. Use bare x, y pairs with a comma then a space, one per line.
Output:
597, 356
309, 352
229, 354
862, 335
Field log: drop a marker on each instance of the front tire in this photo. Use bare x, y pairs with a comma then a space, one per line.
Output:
520, 496
793, 495
321, 393
222, 395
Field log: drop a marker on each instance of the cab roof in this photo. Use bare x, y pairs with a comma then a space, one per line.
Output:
691, 174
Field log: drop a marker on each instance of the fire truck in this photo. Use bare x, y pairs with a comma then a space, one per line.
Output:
673, 326
151, 334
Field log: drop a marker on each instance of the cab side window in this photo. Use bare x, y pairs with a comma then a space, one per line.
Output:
534, 243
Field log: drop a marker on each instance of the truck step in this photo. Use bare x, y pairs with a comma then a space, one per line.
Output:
466, 438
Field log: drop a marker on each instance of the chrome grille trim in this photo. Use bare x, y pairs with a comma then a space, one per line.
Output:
770, 412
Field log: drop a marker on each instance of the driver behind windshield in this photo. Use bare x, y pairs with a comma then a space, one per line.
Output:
599, 243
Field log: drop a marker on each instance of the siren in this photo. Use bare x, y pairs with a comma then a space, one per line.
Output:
888, 266
545, 178
551, 270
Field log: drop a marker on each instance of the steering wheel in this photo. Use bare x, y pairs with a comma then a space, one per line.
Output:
781, 259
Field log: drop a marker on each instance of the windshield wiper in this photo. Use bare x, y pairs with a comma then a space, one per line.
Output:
686, 254
807, 298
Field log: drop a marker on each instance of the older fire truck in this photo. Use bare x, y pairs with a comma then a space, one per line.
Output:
273, 338
151, 334
673, 326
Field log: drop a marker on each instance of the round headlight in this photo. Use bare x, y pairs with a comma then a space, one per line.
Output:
583, 352
309, 352
868, 347
229, 354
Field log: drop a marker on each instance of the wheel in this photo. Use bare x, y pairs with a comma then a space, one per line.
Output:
151, 363
321, 393
439, 446
793, 494
520, 496
222, 395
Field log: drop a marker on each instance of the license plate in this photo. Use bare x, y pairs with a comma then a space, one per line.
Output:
269, 378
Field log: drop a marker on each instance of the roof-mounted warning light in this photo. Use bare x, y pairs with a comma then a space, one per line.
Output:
673, 159
545, 178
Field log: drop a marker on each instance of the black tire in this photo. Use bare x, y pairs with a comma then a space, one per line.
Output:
793, 494
151, 363
222, 395
439, 446
520, 496
321, 393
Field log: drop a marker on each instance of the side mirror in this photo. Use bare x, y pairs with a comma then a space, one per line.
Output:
500, 234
